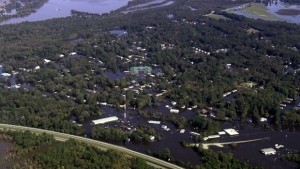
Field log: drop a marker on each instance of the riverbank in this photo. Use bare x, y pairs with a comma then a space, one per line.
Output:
272, 12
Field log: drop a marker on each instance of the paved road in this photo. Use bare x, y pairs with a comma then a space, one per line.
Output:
63, 137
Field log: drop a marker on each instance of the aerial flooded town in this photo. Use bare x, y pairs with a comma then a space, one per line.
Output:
150, 84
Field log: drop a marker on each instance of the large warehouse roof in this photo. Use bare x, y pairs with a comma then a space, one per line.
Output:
105, 120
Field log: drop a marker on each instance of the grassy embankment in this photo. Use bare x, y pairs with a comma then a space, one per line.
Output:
260, 10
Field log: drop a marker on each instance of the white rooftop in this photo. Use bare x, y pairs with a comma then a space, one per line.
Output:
5, 74
231, 132
268, 151
105, 120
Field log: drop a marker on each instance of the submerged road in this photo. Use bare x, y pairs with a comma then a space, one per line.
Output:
206, 145
102, 145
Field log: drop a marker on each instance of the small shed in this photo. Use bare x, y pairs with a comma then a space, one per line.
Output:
153, 122
174, 111
231, 132
5, 74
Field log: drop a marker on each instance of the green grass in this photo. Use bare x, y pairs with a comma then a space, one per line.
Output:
216, 16
260, 10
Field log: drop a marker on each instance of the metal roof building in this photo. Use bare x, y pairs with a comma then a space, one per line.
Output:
105, 120
140, 69
153, 122
231, 132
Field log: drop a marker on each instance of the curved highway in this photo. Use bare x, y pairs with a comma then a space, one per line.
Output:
102, 145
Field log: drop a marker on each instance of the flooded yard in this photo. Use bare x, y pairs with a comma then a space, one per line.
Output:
274, 11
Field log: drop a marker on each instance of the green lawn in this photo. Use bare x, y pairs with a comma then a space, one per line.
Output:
216, 16
260, 10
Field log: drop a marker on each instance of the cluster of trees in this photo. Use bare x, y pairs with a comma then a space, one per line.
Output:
291, 118
295, 157
42, 151
72, 154
24, 142
204, 125
214, 160
141, 134
32, 109
163, 154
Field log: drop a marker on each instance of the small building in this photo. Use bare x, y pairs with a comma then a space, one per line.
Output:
153, 122
140, 70
213, 136
47, 61
105, 120
194, 133
262, 119
5, 74
231, 132
165, 127
152, 138
210, 137
174, 111
181, 131
73, 53
221, 132
268, 151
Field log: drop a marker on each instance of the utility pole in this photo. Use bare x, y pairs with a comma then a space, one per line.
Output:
125, 109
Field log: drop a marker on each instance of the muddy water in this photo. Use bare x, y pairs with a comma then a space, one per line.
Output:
248, 152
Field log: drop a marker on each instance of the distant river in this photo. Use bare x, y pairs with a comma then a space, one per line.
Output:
62, 8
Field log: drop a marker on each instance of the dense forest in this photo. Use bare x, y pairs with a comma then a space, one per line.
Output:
42, 151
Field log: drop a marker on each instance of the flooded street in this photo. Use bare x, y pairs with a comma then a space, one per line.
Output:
172, 139
289, 139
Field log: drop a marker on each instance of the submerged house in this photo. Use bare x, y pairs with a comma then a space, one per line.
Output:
140, 70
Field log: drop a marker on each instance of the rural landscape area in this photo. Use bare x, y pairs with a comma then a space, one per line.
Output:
146, 84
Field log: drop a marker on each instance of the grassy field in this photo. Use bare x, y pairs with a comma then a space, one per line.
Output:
260, 10
216, 16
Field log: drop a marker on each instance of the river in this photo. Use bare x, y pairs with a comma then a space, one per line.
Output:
62, 8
